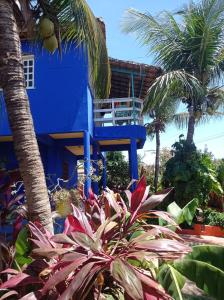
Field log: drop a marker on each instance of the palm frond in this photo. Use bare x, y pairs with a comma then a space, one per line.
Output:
162, 35
80, 26
181, 119
215, 98
172, 86
76, 24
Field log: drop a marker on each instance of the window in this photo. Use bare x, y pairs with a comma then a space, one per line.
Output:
28, 66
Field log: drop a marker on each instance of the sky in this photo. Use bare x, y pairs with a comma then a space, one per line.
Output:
122, 46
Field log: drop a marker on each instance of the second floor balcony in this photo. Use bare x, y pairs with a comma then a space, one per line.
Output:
118, 112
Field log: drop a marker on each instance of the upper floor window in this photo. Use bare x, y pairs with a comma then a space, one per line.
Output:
28, 66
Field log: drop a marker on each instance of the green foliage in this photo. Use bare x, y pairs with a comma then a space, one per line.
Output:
191, 173
220, 173
95, 255
118, 176
213, 217
171, 280
205, 267
188, 45
23, 248
186, 214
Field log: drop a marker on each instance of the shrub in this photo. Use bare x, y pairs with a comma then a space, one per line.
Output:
106, 249
220, 173
118, 176
213, 217
191, 173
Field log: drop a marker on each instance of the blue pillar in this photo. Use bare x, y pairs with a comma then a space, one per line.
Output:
133, 161
87, 163
104, 175
96, 169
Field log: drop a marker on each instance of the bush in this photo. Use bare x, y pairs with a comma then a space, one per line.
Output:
106, 250
220, 173
118, 176
191, 173
213, 217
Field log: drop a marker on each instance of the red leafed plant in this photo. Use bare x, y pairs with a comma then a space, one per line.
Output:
106, 249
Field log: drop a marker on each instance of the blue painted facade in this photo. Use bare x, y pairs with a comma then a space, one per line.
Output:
62, 104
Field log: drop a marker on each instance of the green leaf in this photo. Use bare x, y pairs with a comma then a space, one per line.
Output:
189, 211
185, 214
23, 248
213, 255
176, 212
205, 267
172, 281
136, 234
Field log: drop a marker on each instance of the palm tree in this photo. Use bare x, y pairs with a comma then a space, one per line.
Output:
189, 46
161, 115
73, 21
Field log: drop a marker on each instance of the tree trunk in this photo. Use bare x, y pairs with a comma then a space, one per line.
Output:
157, 160
191, 126
20, 118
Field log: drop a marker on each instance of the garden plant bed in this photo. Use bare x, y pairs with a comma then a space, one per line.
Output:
201, 229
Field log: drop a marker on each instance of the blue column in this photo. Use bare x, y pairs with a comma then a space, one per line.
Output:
96, 168
133, 161
104, 175
87, 163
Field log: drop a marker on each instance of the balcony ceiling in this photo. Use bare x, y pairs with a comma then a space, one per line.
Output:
121, 81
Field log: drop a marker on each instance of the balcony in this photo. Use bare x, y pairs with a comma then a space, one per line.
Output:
118, 112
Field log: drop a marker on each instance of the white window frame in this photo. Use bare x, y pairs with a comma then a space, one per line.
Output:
28, 58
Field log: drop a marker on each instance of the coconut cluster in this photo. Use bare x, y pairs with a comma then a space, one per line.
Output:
47, 33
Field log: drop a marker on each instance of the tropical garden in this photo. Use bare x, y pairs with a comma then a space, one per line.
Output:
124, 243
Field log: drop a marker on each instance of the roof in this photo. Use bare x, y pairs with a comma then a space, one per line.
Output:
121, 79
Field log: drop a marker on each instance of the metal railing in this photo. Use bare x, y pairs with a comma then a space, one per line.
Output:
118, 112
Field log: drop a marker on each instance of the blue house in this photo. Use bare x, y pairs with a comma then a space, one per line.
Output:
70, 124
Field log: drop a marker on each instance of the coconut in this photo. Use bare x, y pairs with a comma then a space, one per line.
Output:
46, 28
197, 115
51, 43
209, 110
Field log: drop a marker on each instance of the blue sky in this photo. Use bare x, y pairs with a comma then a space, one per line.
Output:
125, 47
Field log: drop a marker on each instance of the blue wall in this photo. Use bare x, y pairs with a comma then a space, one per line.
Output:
59, 101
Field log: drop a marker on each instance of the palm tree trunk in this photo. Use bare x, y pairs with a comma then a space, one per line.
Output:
20, 118
191, 126
157, 159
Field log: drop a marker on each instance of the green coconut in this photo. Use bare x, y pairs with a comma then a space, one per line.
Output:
46, 28
51, 43
197, 115
209, 110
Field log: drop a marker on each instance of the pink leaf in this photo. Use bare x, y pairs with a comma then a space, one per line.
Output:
9, 271
62, 274
19, 280
125, 275
154, 200
138, 195
162, 245
32, 296
151, 289
82, 220
81, 280
9, 294
73, 224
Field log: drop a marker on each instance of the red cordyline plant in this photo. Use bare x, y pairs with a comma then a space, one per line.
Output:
106, 250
